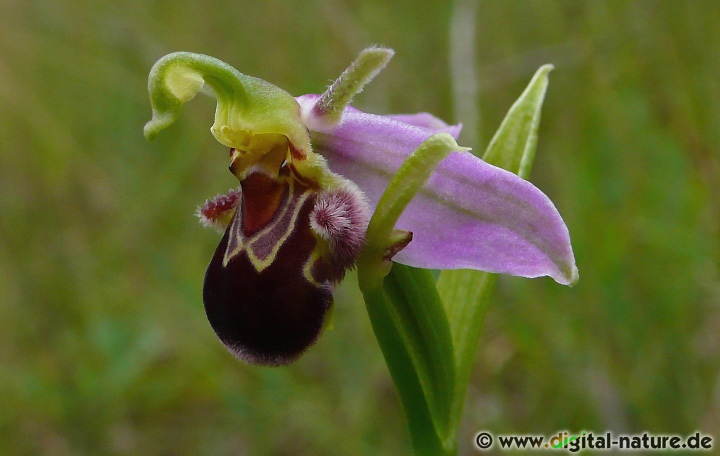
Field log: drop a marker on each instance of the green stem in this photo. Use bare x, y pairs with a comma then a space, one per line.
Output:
390, 310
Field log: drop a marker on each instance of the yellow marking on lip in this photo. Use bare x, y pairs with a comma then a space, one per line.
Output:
261, 264
246, 244
307, 267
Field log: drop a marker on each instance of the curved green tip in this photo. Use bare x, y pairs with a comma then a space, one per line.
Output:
245, 104
174, 80
156, 124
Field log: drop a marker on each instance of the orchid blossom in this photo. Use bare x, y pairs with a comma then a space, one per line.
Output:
312, 170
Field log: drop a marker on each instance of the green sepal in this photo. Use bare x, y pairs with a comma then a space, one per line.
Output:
466, 293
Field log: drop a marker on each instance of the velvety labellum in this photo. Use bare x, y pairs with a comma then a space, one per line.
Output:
261, 294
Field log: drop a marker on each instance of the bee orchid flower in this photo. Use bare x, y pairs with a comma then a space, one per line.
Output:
311, 171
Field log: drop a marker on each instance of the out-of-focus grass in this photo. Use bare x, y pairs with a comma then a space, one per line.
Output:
105, 348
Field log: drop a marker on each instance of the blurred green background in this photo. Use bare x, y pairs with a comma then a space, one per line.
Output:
104, 345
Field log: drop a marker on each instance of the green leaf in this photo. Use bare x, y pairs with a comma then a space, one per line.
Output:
513, 146
406, 313
412, 330
466, 293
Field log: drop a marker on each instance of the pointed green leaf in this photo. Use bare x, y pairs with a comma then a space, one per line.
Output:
513, 146
466, 293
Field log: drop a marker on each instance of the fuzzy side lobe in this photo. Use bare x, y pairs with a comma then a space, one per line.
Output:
273, 315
